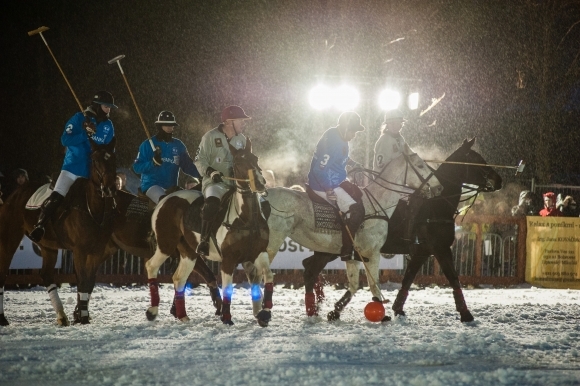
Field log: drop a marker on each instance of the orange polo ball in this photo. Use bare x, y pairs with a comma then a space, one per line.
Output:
375, 311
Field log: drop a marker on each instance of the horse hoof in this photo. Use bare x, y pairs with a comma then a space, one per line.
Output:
466, 317
264, 318
185, 319
227, 322
3, 320
400, 313
333, 315
151, 314
64, 322
85, 320
387, 318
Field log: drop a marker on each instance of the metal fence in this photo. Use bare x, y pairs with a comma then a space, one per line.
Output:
487, 250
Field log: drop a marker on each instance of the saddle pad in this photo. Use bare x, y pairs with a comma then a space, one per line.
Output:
326, 219
36, 200
138, 209
192, 218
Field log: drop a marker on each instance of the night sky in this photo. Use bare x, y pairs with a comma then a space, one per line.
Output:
509, 72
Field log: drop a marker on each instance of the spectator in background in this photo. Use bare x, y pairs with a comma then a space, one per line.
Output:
550, 209
567, 206
524, 207
20, 177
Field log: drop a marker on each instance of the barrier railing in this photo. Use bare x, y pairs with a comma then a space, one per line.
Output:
488, 250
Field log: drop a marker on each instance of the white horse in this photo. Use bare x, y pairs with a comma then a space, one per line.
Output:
293, 216
241, 238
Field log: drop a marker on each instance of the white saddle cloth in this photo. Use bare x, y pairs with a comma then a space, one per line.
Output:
36, 200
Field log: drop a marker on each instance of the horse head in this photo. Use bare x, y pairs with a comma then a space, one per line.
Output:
485, 177
104, 167
246, 170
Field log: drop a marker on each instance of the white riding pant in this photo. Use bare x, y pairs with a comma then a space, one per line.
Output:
64, 182
215, 190
155, 192
343, 199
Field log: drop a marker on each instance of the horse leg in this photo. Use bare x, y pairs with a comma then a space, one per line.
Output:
413, 268
254, 278
152, 266
10, 237
203, 270
262, 264
353, 275
86, 269
49, 257
445, 259
179, 279
313, 265
372, 272
228, 289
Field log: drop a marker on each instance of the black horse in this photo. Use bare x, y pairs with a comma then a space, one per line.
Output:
433, 233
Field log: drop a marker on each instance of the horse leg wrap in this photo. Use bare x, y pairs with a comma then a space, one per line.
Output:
154, 291
226, 315
54, 298
460, 305
319, 290
268, 291
82, 311
344, 300
400, 300
179, 299
310, 302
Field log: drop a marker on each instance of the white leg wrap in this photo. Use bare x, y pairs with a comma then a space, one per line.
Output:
84, 296
54, 298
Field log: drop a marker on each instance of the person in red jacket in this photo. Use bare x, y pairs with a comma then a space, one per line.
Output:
550, 206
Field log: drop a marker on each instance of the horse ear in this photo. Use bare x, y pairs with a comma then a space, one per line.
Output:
248, 145
471, 141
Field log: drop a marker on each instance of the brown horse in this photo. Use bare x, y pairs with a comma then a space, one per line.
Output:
241, 238
132, 233
83, 224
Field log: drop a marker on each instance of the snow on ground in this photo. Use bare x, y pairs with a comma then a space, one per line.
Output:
521, 336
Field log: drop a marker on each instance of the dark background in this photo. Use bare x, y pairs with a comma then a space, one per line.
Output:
509, 71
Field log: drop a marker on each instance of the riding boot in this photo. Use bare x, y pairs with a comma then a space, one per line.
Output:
413, 207
354, 218
203, 247
46, 211
209, 211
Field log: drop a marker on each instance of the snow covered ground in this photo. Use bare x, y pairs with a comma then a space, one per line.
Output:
521, 336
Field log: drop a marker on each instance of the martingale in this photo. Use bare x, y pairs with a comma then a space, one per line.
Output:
326, 219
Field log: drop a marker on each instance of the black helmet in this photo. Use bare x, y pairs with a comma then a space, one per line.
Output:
104, 98
166, 118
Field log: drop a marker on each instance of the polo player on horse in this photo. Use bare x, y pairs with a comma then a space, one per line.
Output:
328, 173
214, 160
389, 146
159, 169
95, 124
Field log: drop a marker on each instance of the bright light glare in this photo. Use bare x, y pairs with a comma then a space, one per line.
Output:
320, 97
389, 100
413, 101
346, 98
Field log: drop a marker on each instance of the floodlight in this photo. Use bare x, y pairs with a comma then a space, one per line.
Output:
389, 100
346, 98
320, 97
413, 101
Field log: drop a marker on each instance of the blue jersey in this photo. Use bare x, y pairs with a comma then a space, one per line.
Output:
328, 166
77, 159
174, 156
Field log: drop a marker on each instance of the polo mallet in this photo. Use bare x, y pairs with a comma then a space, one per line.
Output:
39, 31
519, 168
117, 59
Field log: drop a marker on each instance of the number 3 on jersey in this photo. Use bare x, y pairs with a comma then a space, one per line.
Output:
325, 159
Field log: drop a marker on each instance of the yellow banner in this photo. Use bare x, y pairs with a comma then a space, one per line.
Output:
553, 252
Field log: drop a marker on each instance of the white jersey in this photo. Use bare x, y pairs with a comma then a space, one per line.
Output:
214, 152
387, 148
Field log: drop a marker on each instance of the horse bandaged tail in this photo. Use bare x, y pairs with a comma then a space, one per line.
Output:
138, 210
326, 218
36, 200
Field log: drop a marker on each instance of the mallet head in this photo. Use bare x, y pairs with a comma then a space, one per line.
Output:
520, 167
38, 30
116, 59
